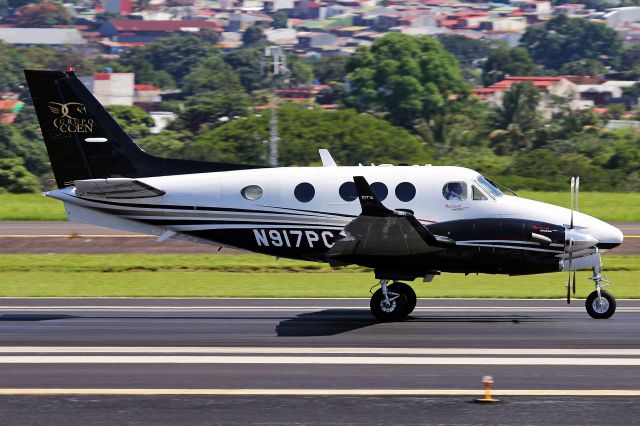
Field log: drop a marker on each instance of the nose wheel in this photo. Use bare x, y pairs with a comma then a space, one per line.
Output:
393, 302
600, 304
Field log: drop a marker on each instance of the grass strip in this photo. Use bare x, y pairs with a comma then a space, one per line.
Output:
108, 263
243, 284
30, 207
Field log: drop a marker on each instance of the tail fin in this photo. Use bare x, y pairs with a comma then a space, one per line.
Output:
85, 142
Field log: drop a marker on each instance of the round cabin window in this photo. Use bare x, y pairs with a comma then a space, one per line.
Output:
405, 191
380, 189
251, 192
348, 191
304, 192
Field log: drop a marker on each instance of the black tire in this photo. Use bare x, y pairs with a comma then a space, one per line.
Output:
604, 310
409, 293
395, 311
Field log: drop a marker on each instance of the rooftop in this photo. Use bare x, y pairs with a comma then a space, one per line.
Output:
51, 36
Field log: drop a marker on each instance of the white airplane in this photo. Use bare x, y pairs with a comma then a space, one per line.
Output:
405, 222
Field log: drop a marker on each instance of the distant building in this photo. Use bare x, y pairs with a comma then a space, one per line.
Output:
48, 36
622, 17
136, 31
550, 88
114, 88
118, 7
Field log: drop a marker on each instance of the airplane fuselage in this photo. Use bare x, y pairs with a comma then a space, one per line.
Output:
299, 212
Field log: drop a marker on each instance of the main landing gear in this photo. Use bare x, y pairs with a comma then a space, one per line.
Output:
393, 302
600, 304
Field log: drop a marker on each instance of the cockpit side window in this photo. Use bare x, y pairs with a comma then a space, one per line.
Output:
477, 194
455, 191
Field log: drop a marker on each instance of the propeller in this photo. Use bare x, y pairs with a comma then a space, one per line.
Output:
575, 189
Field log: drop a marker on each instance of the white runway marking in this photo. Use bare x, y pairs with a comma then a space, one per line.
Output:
324, 360
313, 350
323, 392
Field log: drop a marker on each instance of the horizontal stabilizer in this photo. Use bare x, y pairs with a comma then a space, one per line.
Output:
115, 188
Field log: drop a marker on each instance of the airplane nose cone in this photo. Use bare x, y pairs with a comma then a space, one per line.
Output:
610, 237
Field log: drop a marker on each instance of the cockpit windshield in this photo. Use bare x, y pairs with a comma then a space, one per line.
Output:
488, 186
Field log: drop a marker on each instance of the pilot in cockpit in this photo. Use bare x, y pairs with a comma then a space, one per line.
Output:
453, 191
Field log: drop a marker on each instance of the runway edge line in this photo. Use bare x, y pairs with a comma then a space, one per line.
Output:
322, 392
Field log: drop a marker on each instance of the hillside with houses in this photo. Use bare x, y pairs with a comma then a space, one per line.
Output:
525, 91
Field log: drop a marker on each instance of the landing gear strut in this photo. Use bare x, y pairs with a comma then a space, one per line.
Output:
600, 304
393, 302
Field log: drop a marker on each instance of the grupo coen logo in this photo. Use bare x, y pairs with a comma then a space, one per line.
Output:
71, 117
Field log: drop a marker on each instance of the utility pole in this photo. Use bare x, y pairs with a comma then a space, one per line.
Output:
275, 63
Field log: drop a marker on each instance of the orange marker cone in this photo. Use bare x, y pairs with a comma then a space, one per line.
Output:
488, 381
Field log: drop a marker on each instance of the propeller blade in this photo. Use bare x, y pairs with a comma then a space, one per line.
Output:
569, 278
574, 283
573, 186
577, 191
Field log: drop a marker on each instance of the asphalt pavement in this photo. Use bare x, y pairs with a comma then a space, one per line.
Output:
314, 361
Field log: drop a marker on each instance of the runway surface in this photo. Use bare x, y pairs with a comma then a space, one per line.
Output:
314, 361
71, 237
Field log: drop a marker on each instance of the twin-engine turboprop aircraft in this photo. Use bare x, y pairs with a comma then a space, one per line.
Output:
404, 222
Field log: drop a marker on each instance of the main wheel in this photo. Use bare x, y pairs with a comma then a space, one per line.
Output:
408, 292
603, 307
394, 310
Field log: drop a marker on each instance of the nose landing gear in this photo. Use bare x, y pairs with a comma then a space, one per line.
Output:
393, 302
600, 304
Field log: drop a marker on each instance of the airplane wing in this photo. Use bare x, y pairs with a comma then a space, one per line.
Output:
379, 231
115, 188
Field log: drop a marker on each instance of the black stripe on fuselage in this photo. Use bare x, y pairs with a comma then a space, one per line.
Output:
223, 209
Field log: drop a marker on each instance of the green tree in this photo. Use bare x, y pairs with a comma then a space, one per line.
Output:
166, 144
404, 79
562, 40
351, 137
24, 141
301, 72
135, 121
505, 61
167, 60
14, 177
252, 36
280, 19
469, 52
330, 69
41, 15
211, 74
247, 63
518, 121
216, 95
10, 67
583, 67
630, 57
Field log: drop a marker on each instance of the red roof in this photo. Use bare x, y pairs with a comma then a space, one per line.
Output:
133, 25
448, 23
539, 82
145, 87
102, 76
7, 118
8, 104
